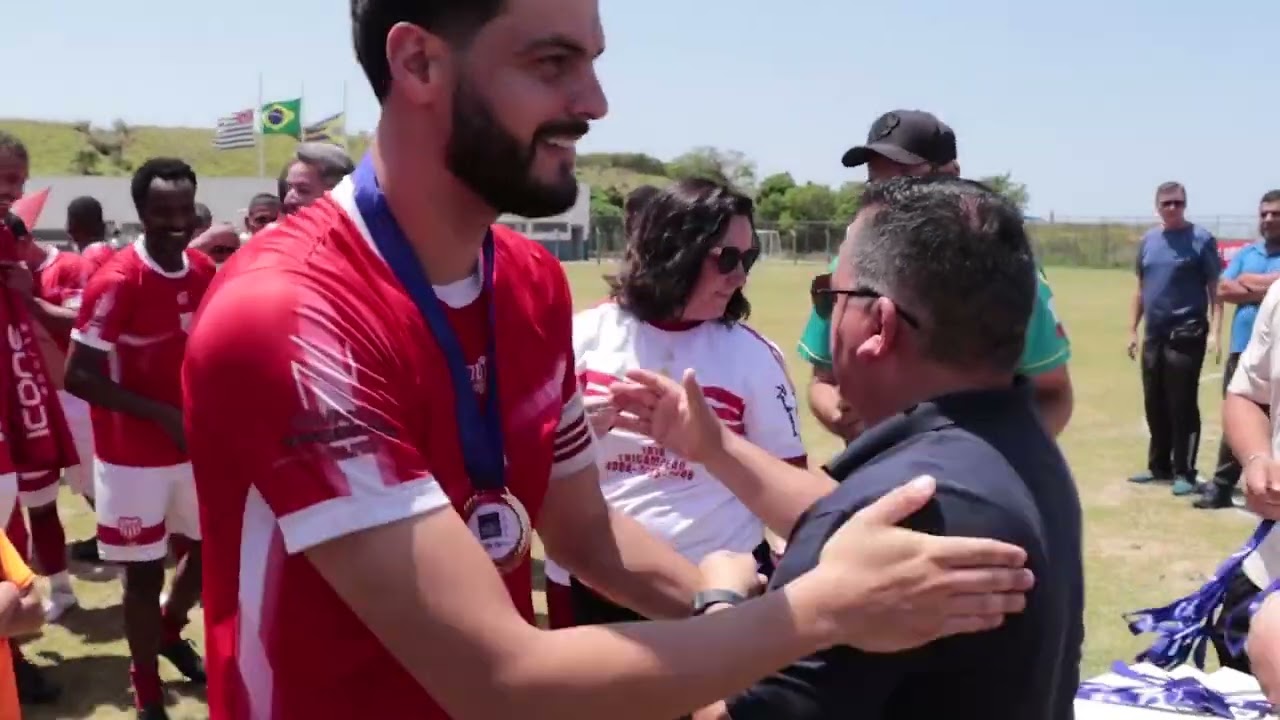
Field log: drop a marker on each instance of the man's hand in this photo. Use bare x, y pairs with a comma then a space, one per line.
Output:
724, 570
171, 423
1262, 486
891, 589
1133, 344
675, 415
601, 414
17, 277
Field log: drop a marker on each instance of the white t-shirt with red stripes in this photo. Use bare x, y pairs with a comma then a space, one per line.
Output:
745, 381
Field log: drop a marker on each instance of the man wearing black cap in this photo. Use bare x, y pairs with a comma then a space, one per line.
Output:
914, 142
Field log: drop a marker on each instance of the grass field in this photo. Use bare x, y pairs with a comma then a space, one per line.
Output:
1142, 545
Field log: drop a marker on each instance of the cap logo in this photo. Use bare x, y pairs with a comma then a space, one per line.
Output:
888, 123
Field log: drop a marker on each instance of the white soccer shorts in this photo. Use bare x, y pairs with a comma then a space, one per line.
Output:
138, 508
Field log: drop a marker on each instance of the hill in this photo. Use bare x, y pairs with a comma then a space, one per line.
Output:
59, 148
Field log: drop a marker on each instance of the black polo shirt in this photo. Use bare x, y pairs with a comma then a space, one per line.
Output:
999, 476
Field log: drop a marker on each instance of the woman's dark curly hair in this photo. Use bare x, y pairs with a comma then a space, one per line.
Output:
671, 238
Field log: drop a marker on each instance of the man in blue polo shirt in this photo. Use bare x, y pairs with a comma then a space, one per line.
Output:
1177, 302
1244, 283
937, 386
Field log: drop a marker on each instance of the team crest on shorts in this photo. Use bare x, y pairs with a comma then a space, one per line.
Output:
131, 528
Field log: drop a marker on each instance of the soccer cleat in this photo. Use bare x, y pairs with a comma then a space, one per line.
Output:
1184, 486
60, 600
1145, 478
85, 551
1214, 497
155, 711
183, 656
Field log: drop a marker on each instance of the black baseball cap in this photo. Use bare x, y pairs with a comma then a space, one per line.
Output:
909, 137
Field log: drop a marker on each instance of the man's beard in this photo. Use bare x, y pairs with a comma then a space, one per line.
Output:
498, 168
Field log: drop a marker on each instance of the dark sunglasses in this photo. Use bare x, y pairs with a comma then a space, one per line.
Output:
824, 299
728, 258
1172, 203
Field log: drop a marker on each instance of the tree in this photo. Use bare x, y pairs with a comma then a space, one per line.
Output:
771, 199
1014, 192
848, 200
635, 162
86, 162
727, 167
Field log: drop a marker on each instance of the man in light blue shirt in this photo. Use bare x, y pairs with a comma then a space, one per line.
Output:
1243, 284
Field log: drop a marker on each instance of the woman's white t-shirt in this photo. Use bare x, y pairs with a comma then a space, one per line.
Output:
744, 380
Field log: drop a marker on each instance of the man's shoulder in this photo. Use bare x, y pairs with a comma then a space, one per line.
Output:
966, 467
1201, 233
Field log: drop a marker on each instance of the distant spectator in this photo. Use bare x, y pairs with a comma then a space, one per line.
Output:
88, 232
1177, 302
264, 209
315, 168
204, 218
1244, 283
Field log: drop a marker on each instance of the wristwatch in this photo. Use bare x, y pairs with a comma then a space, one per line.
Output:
705, 599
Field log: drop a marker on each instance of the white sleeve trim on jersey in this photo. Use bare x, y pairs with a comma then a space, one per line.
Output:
772, 417
334, 518
90, 338
575, 444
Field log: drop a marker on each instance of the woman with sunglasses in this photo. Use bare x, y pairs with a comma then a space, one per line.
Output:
676, 304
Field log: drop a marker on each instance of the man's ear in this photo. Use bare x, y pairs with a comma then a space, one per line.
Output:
417, 61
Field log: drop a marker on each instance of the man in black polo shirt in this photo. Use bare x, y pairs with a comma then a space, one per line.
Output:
930, 307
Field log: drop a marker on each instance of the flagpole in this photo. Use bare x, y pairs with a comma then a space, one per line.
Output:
302, 93
257, 129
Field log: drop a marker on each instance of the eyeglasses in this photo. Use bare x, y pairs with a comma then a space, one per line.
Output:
728, 258
1173, 203
824, 299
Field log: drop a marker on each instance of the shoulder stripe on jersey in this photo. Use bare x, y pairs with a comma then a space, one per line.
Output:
774, 351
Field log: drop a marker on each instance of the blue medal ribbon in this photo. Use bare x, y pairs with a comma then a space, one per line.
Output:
1183, 627
1185, 694
480, 431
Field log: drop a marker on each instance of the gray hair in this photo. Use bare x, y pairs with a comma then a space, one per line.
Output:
329, 160
956, 254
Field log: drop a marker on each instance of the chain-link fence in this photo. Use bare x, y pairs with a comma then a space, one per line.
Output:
1081, 242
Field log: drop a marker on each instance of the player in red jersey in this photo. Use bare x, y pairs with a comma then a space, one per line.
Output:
88, 232
51, 288
396, 379
125, 361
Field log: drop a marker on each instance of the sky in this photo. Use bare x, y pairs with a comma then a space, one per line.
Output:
1090, 103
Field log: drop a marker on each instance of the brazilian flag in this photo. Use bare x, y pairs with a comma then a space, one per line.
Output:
283, 117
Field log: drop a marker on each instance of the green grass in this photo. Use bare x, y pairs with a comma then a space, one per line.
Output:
1143, 546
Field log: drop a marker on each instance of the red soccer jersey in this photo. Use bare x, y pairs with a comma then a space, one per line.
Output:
332, 412
141, 314
59, 280
97, 254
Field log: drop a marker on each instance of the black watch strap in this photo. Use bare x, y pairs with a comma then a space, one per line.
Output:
705, 599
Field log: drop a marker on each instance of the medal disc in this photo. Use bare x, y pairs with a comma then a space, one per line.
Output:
501, 524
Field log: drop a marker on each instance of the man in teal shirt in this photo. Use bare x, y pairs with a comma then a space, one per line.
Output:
912, 142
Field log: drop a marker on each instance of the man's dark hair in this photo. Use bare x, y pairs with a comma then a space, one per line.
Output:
671, 238
330, 161
204, 215
1167, 188
264, 199
11, 146
1270, 197
635, 202
371, 20
159, 168
84, 215
956, 254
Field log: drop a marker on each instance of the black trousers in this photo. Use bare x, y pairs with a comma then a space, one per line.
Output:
1240, 592
1170, 390
1227, 473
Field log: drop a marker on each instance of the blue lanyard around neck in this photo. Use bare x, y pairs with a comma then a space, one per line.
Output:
480, 431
